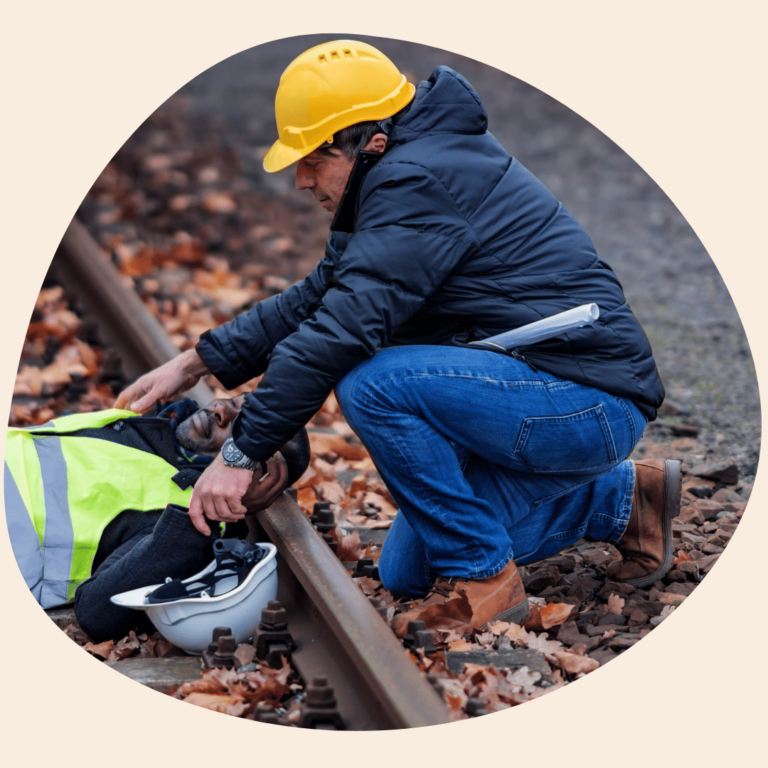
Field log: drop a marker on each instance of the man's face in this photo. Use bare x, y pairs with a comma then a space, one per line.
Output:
206, 430
325, 175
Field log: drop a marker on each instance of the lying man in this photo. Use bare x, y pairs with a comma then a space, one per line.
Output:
96, 502
440, 238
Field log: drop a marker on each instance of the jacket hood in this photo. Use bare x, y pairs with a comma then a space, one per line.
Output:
446, 103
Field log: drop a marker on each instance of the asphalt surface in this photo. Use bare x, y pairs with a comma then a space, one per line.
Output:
669, 279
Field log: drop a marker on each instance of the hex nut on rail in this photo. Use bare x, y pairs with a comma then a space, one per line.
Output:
272, 638
319, 710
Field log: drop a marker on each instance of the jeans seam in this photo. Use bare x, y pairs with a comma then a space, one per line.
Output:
625, 509
630, 420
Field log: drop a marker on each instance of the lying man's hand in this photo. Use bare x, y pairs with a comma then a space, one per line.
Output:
163, 383
264, 489
218, 495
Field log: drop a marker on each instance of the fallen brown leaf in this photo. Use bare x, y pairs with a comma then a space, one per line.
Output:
615, 604
574, 664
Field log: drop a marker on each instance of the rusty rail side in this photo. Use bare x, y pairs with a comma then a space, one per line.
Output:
338, 632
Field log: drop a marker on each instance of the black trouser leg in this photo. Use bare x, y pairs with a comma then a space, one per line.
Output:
172, 548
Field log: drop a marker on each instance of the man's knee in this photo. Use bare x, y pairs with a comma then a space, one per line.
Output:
355, 390
401, 576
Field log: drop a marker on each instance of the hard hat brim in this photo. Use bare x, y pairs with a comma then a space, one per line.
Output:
280, 156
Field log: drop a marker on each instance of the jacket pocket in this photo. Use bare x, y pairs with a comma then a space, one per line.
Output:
576, 442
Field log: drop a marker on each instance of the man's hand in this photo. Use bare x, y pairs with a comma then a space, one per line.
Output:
266, 488
218, 495
163, 383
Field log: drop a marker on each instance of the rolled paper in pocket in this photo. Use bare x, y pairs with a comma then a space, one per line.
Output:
541, 330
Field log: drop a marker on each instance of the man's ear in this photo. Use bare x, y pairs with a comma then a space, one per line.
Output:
377, 143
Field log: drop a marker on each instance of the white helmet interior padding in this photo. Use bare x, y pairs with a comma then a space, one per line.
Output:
233, 561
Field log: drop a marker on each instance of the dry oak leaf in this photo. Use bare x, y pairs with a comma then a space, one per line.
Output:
548, 616
306, 499
322, 445
460, 645
124, 647
454, 613
213, 681
447, 636
371, 499
544, 645
533, 619
454, 694
681, 557
524, 678
615, 604
554, 614
359, 484
310, 478
331, 490
349, 546
365, 465
485, 639
574, 664
100, 649
516, 634
230, 705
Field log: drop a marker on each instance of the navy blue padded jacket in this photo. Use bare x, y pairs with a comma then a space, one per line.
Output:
453, 240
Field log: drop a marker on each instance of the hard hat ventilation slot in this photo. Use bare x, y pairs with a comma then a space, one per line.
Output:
234, 560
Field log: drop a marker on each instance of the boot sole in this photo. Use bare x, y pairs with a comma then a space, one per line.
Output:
673, 488
517, 614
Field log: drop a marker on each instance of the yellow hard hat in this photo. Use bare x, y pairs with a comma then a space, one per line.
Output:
330, 87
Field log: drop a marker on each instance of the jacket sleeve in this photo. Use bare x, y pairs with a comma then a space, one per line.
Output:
409, 237
239, 350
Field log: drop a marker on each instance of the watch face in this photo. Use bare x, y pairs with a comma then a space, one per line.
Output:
230, 451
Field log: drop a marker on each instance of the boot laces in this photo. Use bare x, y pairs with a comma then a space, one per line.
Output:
445, 586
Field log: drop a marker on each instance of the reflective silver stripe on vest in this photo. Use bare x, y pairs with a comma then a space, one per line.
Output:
58, 538
24, 539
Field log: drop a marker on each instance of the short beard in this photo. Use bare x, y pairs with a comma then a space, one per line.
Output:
188, 442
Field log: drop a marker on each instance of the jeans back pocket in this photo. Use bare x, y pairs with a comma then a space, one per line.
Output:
575, 442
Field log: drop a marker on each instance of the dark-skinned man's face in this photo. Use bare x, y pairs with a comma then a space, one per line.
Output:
206, 430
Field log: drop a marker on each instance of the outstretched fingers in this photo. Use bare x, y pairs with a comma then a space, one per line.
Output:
197, 516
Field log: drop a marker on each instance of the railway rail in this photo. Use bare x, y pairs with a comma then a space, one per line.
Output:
337, 634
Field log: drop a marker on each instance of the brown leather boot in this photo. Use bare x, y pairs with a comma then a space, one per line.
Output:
646, 546
455, 603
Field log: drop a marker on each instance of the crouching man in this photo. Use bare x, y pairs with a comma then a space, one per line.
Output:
95, 502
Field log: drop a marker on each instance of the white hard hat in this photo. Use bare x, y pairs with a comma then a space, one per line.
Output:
230, 592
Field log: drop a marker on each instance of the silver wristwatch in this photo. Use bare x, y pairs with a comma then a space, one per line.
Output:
234, 457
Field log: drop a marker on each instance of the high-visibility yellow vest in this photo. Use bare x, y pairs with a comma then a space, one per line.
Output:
62, 490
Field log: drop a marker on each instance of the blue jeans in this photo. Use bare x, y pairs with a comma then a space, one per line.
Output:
488, 460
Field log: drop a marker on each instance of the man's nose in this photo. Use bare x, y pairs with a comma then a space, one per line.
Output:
304, 178
225, 413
